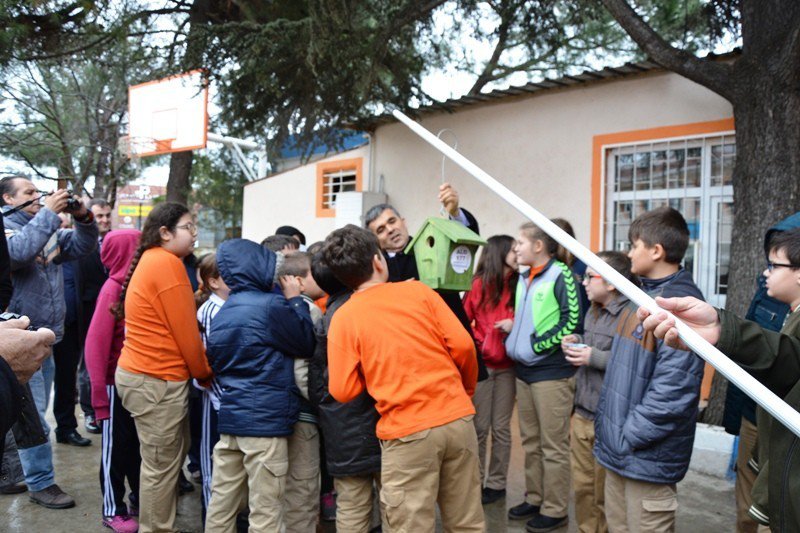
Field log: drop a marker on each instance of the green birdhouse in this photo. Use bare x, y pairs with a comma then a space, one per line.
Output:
445, 253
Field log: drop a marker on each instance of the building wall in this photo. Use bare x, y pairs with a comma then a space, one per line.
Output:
289, 198
541, 147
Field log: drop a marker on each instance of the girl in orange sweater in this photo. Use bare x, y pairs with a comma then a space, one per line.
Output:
162, 351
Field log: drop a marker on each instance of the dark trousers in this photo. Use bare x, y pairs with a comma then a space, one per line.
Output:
210, 437
120, 459
66, 355
195, 427
84, 385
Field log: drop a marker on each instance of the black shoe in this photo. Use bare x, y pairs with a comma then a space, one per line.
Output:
492, 495
73, 438
523, 511
184, 485
541, 523
16, 488
91, 425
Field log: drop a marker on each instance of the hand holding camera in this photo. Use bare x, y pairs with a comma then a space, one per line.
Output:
64, 201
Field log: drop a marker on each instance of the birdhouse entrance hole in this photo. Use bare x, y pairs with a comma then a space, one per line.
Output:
431, 241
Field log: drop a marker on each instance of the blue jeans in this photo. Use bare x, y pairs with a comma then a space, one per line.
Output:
37, 462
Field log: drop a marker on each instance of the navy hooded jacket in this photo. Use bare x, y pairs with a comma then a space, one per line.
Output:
250, 340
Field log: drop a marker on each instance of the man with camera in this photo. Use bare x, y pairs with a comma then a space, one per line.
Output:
37, 249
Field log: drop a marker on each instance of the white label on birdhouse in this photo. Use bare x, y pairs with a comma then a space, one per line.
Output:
461, 259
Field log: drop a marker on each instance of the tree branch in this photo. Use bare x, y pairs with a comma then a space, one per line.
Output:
713, 75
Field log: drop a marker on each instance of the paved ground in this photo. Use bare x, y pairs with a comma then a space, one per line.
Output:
706, 503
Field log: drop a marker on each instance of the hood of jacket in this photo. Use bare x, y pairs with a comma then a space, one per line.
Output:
117, 251
246, 266
790, 222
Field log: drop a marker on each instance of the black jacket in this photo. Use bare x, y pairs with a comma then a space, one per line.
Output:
403, 266
348, 429
10, 400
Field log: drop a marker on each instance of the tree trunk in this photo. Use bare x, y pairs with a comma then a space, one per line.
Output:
179, 183
766, 184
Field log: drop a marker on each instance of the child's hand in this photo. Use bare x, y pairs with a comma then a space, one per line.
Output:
567, 340
448, 197
290, 285
578, 356
505, 324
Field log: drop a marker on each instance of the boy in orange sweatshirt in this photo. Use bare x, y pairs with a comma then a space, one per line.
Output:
402, 343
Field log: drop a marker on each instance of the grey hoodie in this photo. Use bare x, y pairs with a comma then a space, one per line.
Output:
37, 248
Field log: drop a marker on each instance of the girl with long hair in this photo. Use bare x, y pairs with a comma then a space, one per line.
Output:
490, 308
162, 351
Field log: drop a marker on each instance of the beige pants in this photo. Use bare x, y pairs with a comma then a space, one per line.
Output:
637, 506
160, 411
437, 465
494, 403
301, 501
354, 502
544, 409
261, 464
588, 478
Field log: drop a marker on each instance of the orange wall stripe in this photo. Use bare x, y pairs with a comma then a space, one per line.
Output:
633, 136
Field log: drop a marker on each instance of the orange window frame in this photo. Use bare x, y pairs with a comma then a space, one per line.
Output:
355, 164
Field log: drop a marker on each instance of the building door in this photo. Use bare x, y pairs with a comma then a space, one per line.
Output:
692, 175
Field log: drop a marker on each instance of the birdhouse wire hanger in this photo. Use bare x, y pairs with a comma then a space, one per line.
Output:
442, 210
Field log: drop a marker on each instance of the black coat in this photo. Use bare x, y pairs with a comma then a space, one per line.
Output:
403, 266
348, 429
90, 275
10, 400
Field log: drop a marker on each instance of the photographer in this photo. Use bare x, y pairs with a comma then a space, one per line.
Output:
37, 248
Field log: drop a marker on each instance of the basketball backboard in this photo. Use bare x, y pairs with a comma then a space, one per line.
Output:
168, 115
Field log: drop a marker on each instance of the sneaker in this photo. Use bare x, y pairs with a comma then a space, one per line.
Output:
541, 523
121, 524
327, 507
52, 497
523, 511
492, 495
90, 423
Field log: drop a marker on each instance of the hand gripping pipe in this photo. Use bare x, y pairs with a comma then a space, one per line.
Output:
747, 383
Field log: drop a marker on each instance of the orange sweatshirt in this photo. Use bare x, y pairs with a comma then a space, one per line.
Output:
402, 342
162, 339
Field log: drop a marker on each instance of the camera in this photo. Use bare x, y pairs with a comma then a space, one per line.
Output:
73, 203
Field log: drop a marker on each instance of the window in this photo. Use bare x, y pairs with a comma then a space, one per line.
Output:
692, 175
334, 177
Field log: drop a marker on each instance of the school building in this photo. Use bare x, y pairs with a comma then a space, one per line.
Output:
597, 149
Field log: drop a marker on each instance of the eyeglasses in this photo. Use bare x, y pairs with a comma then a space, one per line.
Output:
589, 277
772, 266
190, 226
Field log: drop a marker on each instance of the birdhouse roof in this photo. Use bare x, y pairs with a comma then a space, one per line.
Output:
455, 231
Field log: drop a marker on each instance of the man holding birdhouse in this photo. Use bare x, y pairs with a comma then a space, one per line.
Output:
390, 228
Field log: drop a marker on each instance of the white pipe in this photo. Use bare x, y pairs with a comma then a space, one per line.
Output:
747, 383
222, 139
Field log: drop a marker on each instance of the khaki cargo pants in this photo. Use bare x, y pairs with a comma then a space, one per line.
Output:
301, 500
354, 502
437, 465
257, 463
160, 410
637, 506
588, 478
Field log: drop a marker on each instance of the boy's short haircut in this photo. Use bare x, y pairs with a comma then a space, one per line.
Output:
277, 243
535, 233
324, 277
620, 262
297, 264
348, 252
664, 226
788, 242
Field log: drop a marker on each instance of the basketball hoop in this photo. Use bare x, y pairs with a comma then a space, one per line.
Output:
168, 115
